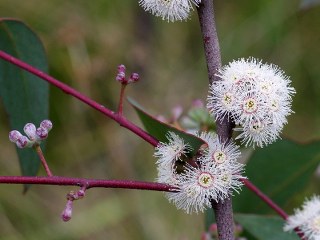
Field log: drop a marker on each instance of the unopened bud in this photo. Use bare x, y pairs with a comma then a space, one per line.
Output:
30, 130
23, 142
134, 77
14, 136
41, 133
121, 77
47, 124
121, 68
67, 211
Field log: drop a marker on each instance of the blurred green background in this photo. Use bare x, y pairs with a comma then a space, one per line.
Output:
85, 41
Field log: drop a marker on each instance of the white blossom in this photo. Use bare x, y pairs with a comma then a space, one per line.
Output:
215, 173
307, 219
199, 186
255, 96
258, 133
217, 152
172, 150
170, 10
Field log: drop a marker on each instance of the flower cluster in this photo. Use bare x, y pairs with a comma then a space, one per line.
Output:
34, 135
256, 96
170, 10
306, 219
213, 176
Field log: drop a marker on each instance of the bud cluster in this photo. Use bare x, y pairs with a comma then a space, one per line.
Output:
213, 177
121, 76
33, 135
257, 97
66, 214
170, 10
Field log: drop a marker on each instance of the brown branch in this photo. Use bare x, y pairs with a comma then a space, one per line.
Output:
223, 210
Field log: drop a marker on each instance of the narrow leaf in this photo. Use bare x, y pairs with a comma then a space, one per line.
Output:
25, 97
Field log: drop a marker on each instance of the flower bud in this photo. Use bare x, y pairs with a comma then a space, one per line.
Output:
121, 77
23, 142
30, 130
47, 124
41, 133
14, 136
121, 68
134, 77
67, 212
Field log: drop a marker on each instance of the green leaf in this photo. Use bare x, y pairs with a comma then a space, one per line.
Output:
264, 227
25, 97
159, 129
280, 170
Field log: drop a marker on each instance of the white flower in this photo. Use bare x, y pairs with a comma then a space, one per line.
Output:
217, 152
250, 105
198, 186
255, 96
306, 219
171, 151
213, 177
170, 10
221, 99
167, 174
168, 154
258, 133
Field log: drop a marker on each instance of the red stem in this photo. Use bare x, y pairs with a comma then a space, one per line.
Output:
68, 90
88, 183
43, 160
265, 198
120, 106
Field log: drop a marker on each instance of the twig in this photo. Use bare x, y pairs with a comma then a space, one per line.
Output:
68, 90
43, 160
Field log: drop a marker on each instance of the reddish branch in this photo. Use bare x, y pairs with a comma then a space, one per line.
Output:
265, 198
88, 183
68, 90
